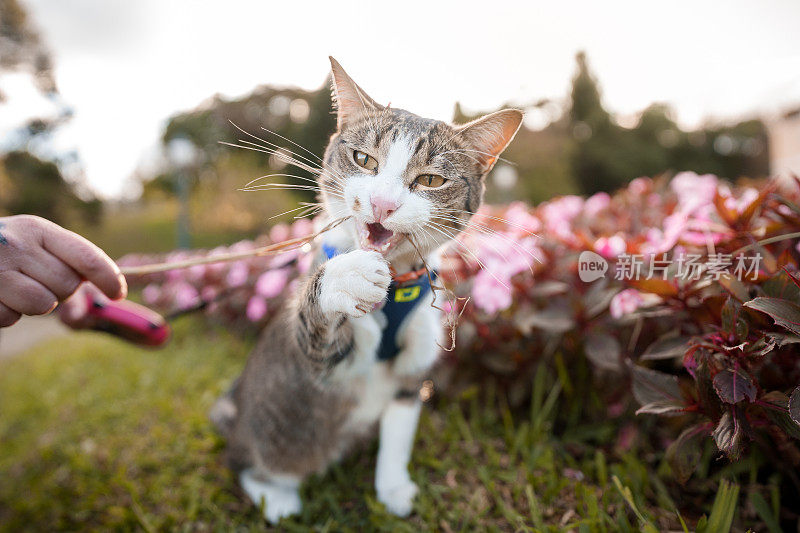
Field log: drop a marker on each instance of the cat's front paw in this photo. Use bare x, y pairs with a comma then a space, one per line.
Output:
399, 499
353, 283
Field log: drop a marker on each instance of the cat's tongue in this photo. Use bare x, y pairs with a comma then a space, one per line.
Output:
377, 237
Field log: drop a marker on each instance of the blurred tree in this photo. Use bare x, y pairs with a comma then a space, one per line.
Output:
605, 156
20, 46
594, 135
33, 186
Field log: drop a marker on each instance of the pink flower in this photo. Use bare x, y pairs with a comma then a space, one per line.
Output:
271, 283
520, 219
196, 272
558, 216
694, 192
151, 294
186, 295
489, 293
740, 205
596, 203
610, 247
302, 227
639, 186
256, 308
626, 302
237, 275
208, 293
279, 233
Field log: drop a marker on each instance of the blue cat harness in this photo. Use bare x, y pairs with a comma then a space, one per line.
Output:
401, 300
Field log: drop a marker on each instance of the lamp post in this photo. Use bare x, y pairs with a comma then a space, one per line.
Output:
182, 154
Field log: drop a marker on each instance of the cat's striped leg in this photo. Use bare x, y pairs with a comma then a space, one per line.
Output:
392, 481
280, 497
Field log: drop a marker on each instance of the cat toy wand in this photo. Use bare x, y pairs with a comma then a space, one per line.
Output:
141, 325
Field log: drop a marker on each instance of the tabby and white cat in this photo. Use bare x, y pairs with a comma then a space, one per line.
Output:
336, 364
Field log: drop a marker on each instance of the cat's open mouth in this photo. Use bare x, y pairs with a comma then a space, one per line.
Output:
378, 237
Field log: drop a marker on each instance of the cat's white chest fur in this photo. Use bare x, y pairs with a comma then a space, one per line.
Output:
375, 383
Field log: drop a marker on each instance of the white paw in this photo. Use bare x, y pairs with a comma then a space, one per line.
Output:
353, 283
399, 499
278, 500
281, 504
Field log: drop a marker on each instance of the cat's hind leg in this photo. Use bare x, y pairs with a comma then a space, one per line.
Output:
279, 496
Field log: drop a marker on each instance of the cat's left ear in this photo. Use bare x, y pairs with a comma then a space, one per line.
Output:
490, 135
348, 98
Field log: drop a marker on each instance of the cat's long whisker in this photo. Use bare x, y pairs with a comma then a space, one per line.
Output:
277, 154
430, 238
475, 257
486, 230
294, 143
497, 219
490, 244
288, 156
284, 187
303, 178
284, 156
284, 149
301, 215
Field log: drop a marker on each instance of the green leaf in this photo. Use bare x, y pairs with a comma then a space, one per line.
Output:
785, 313
666, 348
684, 453
733, 386
763, 510
627, 495
724, 508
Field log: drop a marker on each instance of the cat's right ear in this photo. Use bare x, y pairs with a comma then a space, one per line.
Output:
348, 98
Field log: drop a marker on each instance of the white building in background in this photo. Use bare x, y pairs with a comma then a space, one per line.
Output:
784, 143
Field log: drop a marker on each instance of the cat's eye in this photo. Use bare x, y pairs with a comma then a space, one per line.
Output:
365, 161
430, 181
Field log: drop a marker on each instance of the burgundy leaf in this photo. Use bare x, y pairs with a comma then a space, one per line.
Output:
684, 453
728, 434
666, 348
650, 386
663, 407
733, 386
603, 351
794, 406
784, 312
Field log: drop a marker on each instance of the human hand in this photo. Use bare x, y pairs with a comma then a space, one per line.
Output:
42, 264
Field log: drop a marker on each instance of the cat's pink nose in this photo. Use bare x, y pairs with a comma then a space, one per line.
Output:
382, 207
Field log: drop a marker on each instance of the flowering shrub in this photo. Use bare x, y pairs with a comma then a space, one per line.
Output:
686, 288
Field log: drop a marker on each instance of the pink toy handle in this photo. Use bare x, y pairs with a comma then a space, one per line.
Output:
130, 321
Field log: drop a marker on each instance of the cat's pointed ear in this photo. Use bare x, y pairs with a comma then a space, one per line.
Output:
490, 135
348, 98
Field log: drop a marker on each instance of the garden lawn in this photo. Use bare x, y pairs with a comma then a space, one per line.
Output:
98, 434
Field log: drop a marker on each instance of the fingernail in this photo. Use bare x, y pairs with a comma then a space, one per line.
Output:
123, 293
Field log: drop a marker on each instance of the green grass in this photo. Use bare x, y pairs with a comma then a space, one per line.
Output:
98, 434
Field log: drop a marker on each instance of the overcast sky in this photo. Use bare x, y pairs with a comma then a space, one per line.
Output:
125, 66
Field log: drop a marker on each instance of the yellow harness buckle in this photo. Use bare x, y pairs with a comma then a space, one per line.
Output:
406, 294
